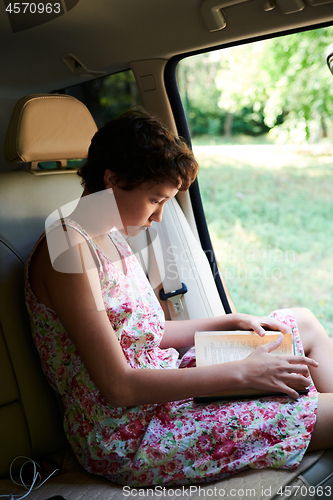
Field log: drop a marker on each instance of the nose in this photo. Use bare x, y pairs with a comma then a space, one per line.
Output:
157, 215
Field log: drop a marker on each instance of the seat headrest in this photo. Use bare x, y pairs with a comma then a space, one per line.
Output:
48, 127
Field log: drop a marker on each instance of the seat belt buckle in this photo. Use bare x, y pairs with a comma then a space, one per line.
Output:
177, 303
174, 297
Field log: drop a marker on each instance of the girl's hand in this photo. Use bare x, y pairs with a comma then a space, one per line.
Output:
276, 373
260, 324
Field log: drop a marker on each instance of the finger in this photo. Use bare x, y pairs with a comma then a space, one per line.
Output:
256, 325
291, 381
299, 369
274, 324
289, 391
271, 346
257, 328
296, 360
295, 379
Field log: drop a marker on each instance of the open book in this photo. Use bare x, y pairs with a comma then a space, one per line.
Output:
220, 347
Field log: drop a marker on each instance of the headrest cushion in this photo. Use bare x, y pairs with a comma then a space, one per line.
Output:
48, 127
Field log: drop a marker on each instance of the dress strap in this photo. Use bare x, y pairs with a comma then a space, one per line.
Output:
65, 243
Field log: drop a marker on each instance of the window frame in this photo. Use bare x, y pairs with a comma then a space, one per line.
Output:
172, 90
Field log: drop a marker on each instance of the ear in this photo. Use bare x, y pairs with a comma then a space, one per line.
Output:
110, 179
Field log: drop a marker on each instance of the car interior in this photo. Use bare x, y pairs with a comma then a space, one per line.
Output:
46, 124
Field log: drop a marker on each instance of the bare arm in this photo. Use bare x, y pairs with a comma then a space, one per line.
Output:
73, 300
98, 346
179, 334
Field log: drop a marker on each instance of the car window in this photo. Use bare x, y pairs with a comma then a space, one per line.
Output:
261, 122
106, 98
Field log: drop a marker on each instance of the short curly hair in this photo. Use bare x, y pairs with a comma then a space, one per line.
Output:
137, 148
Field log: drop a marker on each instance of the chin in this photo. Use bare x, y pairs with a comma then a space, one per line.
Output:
132, 231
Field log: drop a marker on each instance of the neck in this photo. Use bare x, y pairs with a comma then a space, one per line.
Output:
97, 212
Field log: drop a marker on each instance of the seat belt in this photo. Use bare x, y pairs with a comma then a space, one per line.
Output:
173, 289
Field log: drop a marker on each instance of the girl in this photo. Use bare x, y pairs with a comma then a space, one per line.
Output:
106, 348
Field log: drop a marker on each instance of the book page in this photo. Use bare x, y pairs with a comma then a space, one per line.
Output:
220, 347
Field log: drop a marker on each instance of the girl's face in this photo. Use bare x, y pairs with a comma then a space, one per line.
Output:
141, 206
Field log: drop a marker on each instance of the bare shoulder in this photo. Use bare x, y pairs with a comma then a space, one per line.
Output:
76, 298
59, 264
65, 246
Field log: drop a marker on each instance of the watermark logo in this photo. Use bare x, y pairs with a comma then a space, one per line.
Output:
26, 15
95, 213
256, 264
189, 491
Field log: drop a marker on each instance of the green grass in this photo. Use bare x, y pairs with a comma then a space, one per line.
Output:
270, 216
206, 140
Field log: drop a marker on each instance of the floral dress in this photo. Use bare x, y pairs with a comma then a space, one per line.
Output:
175, 443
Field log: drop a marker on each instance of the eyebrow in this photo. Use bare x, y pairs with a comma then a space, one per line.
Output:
161, 195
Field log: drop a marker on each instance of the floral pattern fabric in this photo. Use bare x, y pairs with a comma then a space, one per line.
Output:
176, 443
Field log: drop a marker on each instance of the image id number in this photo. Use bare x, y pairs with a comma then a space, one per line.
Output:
33, 8
304, 491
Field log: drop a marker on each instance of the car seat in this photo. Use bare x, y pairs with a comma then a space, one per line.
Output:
46, 128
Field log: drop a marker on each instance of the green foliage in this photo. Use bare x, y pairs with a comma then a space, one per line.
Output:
118, 93
282, 84
270, 224
198, 79
300, 84
108, 97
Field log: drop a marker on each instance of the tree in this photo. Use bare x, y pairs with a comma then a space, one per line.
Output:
299, 84
197, 86
281, 84
240, 82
